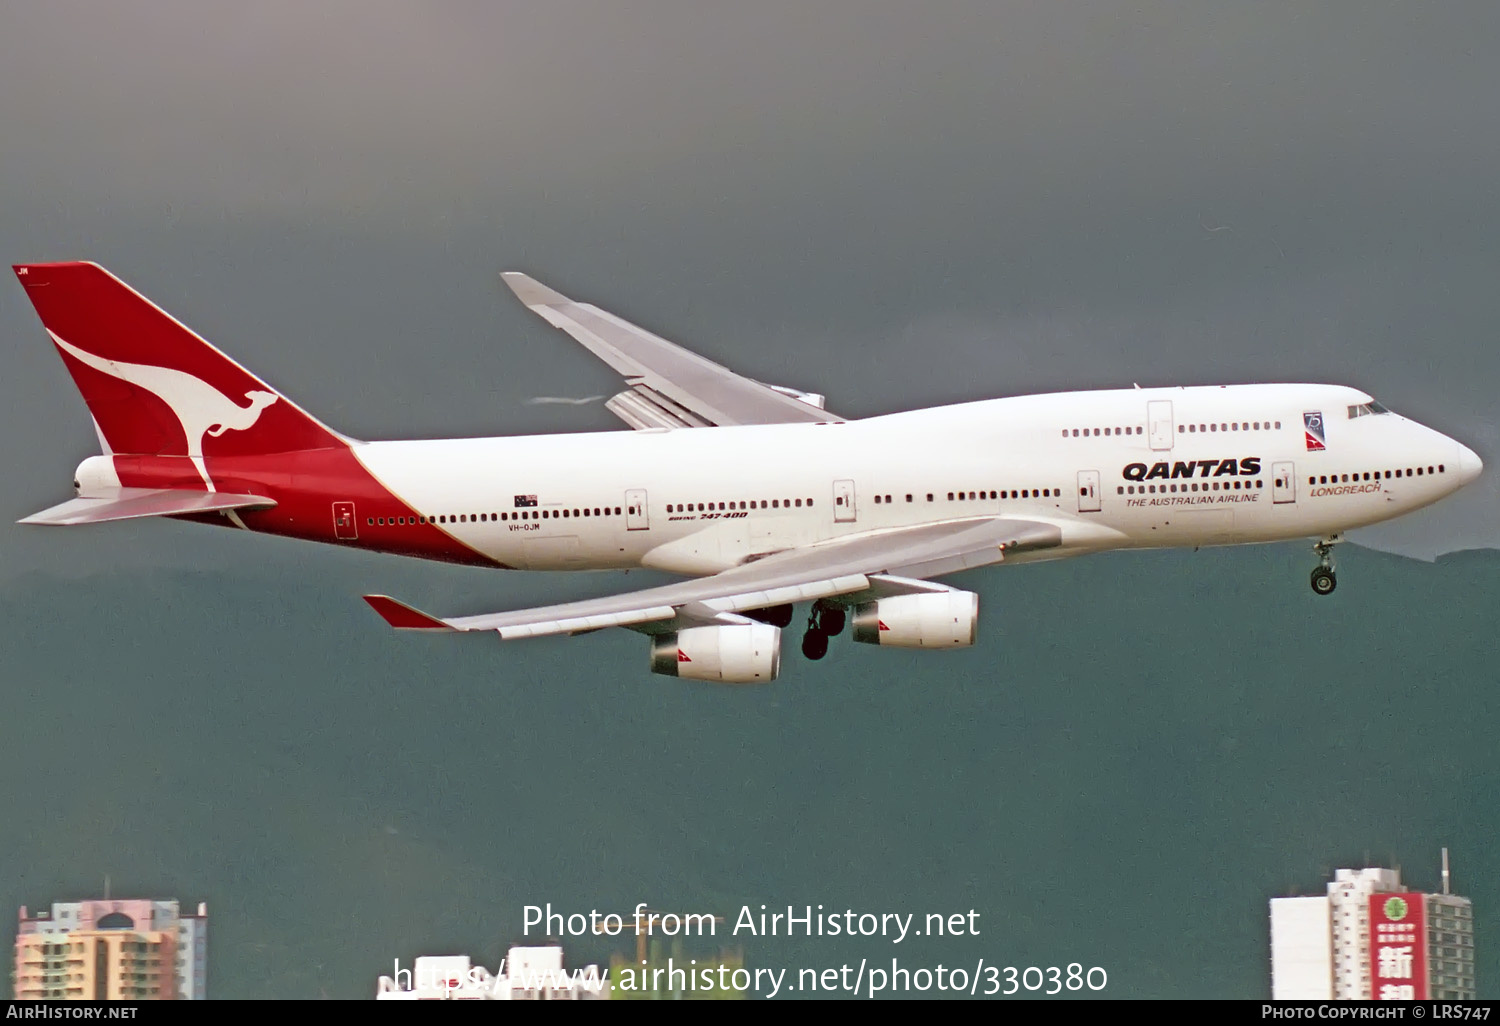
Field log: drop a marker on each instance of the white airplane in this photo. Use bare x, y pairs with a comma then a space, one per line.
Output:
756, 493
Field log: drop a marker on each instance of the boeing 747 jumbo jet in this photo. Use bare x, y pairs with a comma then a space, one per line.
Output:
861, 524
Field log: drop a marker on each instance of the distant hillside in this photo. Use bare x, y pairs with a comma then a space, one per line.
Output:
1139, 752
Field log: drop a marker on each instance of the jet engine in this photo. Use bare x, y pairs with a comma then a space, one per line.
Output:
747, 653
944, 619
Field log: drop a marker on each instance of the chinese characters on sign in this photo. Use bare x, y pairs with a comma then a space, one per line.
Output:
1398, 947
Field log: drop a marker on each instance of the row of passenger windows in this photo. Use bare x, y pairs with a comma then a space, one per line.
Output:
702, 507
1251, 425
1096, 432
1005, 493
1375, 475
475, 518
1182, 429
1190, 487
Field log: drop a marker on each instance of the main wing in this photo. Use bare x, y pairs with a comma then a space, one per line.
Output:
670, 387
885, 562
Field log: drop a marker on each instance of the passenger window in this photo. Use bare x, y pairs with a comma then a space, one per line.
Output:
929, 496
908, 499
775, 503
1121, 490
877, 499
1096, 432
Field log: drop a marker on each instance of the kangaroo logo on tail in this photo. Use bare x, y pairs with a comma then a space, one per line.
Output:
200, 408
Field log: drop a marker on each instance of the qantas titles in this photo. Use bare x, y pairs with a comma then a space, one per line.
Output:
1244, 466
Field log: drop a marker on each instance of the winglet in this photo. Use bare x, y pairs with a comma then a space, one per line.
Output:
532, 292
403, 617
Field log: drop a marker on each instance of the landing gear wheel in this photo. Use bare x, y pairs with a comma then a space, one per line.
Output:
1323, 581
831, 620
815, 645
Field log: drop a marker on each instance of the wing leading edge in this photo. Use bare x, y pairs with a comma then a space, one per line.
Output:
886, 562
670, 387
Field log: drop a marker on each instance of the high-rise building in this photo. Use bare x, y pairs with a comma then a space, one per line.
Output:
110, 949
1370, 937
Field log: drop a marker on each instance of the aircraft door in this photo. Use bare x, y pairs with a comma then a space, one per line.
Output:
1159, 424
636, 517
843, 502
1088, 491
1283, 482
343, 521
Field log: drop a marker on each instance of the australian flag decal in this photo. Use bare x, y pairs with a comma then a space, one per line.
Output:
525, 500
1312, 427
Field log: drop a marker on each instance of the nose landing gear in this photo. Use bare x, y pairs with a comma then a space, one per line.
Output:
1323, 578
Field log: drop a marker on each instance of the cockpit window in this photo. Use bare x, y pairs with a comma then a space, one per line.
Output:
1366, 409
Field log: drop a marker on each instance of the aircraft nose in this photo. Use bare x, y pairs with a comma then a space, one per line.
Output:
1469, 464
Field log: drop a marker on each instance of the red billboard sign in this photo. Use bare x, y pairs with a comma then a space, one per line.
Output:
1398, 947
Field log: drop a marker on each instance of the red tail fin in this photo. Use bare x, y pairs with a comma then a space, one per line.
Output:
154, 387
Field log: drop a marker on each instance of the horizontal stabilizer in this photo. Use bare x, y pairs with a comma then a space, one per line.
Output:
403, 617
133, 503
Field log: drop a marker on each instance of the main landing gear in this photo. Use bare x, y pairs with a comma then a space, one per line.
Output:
1323, 578
825, 621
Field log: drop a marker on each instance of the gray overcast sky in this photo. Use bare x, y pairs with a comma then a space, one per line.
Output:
895, 204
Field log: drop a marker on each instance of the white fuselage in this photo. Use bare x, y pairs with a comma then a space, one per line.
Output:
1156, 467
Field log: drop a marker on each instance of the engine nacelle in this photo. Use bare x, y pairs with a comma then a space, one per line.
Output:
733, 654
944, 619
